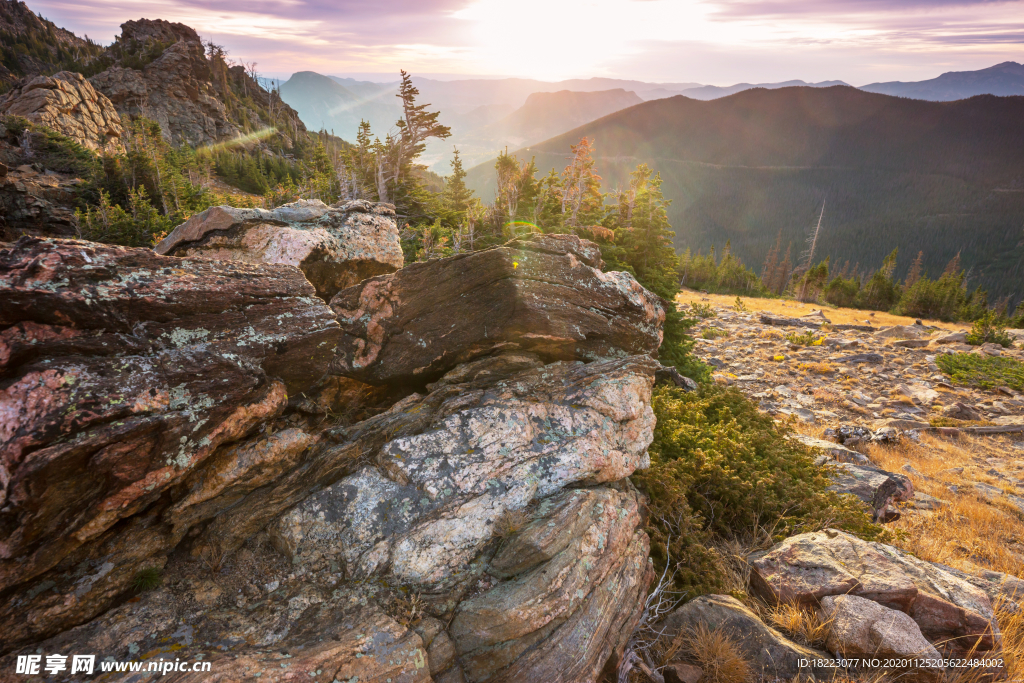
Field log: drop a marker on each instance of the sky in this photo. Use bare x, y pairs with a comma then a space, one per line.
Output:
717, 42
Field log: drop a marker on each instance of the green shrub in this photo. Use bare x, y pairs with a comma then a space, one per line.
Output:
807, 338
989, 328
713, 333
677, 348
147, 579
985, 372
842, 292
50, 149
703, 310
719, 468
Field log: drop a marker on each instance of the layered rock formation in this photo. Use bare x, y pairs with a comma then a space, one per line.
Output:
123, 371
68, 104
543, 293
175, 419
334, 246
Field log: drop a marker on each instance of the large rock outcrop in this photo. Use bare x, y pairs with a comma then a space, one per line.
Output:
184, 91
953, 614
174, 421
334, 246
121, 373
67, 103
544, 293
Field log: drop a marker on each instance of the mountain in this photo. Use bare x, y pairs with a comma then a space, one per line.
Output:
323, 103
542, 116
31, 45
712, 92
1002, 79
924, 176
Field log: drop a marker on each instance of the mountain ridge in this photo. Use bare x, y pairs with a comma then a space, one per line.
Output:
938, 177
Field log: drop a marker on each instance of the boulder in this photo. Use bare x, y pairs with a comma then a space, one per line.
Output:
961, 411
860, 627
771, 655
953, 614
334, 246
952, 338
487, 446
543, 293
881, 490
68, 104
122, 374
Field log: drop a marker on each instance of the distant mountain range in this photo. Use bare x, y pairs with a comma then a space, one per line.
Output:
713, 92
1002, 79
544, 115
938, 177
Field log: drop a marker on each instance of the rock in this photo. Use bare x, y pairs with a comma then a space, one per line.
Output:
902, 332
862, 358
990, 349
881, 490
771, 655
910, 343
543, 293
922, 501
834, 451
951, 613
810, 321
68, 104
680, 672
919, 393
334, 246
123, 372
901, 424
436, 497
1003, 590
952, 338
669, 375
861, 627
961, 411
577, 575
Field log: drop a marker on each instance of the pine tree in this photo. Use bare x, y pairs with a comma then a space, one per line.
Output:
582, 201
782, 276
771, 262
916, 269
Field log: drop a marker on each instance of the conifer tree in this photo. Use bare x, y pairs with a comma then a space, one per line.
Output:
916, 269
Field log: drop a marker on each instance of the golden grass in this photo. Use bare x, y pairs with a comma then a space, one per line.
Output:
801, 625
794, 309
714, 651
816, 368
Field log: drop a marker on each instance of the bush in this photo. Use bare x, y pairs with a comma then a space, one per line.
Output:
807, 338
989, 328
984, 372
720, 468
703, 310
677, 347
842, 292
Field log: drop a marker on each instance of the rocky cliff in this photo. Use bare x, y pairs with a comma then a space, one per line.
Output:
196, 423
161, 70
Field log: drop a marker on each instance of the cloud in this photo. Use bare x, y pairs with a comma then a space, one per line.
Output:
710, 41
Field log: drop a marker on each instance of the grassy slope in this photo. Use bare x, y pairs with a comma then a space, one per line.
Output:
937, 177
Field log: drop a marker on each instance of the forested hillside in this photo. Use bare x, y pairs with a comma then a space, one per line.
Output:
941, 178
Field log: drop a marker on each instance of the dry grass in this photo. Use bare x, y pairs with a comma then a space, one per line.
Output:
795, 309
803, 626
716, 652
510, 522
816, 368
